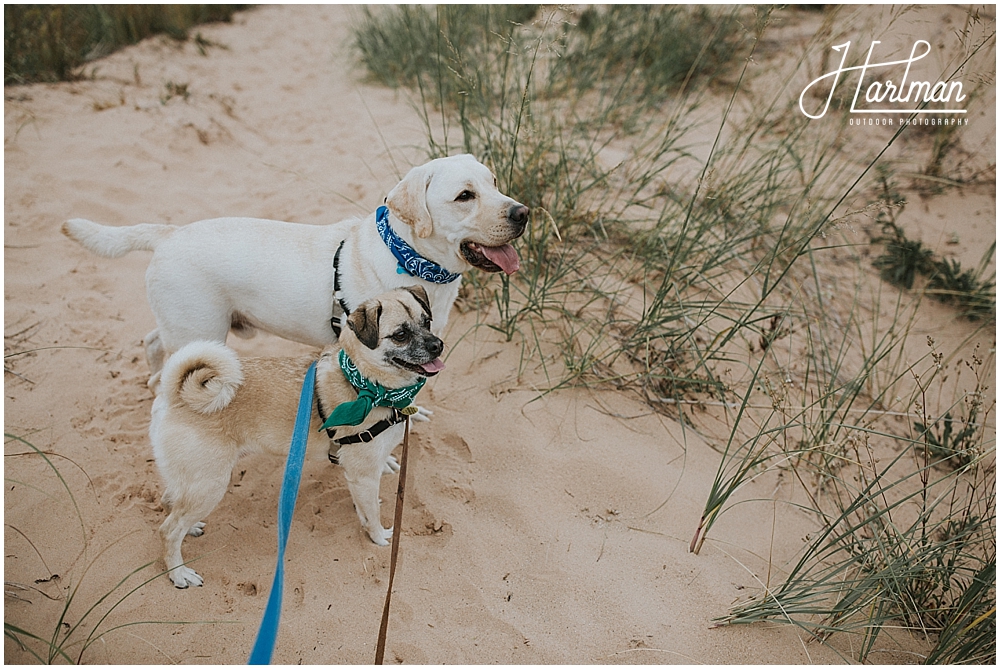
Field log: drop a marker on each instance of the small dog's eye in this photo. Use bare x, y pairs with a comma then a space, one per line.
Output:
465, 196
400, 336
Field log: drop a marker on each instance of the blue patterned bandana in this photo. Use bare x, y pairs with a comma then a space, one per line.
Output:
410, 262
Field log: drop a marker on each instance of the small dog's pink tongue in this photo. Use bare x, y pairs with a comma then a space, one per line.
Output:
504, 257
434, 366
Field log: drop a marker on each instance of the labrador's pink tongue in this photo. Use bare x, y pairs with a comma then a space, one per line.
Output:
434, 366
504, 257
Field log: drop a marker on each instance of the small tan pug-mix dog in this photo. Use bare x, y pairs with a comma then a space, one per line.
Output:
213, 407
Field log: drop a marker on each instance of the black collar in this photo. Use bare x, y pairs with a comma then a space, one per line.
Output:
337, 293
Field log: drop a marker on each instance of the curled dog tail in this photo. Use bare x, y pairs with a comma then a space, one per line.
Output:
114, 242
204, 375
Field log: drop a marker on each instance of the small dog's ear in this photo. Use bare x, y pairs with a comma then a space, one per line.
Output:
408, 201
420, 294
364, 324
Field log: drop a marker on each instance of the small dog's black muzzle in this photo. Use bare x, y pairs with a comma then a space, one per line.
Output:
433, 345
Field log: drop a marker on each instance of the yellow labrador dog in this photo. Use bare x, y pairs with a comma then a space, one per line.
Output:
245, 274
213, 408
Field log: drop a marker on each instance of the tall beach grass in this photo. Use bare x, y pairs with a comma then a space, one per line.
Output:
51, 42
74, 619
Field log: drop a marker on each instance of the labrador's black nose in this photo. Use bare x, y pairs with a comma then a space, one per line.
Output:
518, 215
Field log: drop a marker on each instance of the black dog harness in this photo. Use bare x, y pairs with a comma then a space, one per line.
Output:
338, 295
365, 437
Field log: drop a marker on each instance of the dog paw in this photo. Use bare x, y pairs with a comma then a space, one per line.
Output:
381, 536
185, 576
197, 530
391, 465
423, 415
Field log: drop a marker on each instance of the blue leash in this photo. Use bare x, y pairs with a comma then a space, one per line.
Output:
267, 635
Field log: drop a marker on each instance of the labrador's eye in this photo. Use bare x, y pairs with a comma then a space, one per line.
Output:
465, 196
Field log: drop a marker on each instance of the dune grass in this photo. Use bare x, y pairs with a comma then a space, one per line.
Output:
79, 620
677, 250
903, 545
904, 260
51, 42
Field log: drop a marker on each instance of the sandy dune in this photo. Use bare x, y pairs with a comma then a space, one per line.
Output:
536, 530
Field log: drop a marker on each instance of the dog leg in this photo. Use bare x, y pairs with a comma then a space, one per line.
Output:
173, 531
154, 353
364, 492
363, 465
194, 500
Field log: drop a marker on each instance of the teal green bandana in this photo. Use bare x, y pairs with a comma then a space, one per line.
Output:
370, 395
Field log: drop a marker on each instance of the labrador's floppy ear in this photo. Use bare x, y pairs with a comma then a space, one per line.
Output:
408, 201
364, 324
420, 294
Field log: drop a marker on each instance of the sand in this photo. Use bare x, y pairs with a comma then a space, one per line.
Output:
537, 530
